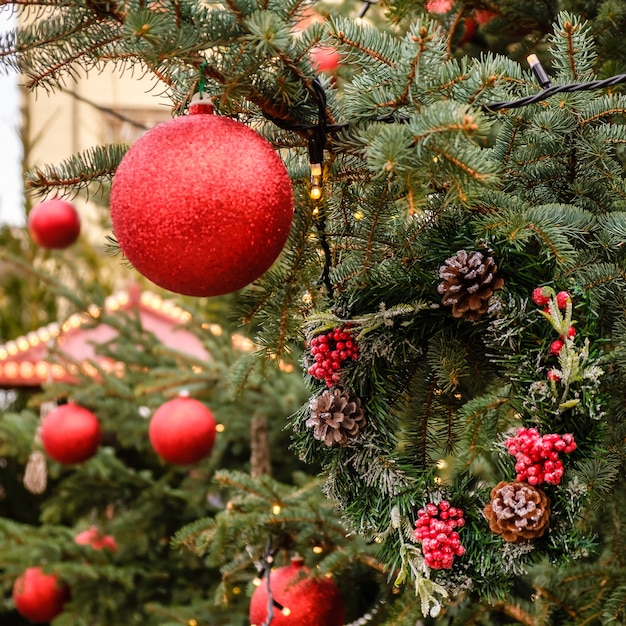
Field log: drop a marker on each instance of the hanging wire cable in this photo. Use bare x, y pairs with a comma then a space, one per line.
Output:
365, 8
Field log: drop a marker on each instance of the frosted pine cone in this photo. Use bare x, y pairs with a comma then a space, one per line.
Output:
336, 417
518, 511
469, 281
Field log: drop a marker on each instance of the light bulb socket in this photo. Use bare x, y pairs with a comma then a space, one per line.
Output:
538, 70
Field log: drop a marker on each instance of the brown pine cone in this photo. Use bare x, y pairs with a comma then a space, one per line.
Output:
469, 281
336, 417
518, 511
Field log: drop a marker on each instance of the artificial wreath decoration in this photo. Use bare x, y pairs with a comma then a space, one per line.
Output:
448, 523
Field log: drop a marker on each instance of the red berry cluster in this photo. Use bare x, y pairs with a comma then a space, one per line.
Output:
537, 456
435, 528
329, 351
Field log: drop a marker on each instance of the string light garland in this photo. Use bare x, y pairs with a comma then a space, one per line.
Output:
551, 90
264, 566
317, 132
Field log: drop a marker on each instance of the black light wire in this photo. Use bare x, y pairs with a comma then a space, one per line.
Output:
365, 8
555, 89
322, 127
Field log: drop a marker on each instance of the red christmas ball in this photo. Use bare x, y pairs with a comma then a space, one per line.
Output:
306, 601
201, 205
70, 434
182, 431
484, 17
325, 59
92, 537
38, 596
470, 26
54, 224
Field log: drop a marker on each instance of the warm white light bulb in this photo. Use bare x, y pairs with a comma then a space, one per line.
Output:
316, 181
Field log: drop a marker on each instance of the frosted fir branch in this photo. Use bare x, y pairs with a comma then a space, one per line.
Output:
514, 557
385, 474
576, 492
365, 324
574, 368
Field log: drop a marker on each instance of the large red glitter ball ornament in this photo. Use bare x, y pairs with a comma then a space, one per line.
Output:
38, 596
182, 431
70, 434
306, 601
54, 224
201, 205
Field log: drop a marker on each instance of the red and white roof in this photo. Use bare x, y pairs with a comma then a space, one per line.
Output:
27, 361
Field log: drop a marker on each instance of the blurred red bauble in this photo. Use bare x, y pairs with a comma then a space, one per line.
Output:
307, 601
54, 224
70, 434
38, 596
484, 17
182, 431
470, 25
439, 6
325, 59
201, 205
92, 537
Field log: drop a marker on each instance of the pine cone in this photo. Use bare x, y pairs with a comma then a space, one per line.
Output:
518, 511
468, 283
336, 417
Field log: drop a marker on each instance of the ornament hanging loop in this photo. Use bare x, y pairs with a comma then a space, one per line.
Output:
198, 103
202, 80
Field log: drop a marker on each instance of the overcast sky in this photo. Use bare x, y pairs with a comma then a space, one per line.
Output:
11, 202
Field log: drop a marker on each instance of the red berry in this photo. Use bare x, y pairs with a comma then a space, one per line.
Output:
562, 299
432, 510
541, 296
556, 346
554, 376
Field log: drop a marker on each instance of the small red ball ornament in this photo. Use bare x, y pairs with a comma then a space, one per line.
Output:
92, 537
306, 601
38, 596
325, 59
70, 434
201, 205
182, 431
54, 224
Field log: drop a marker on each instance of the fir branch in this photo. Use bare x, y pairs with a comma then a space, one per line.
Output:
572, 38
364, 39
94, 165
